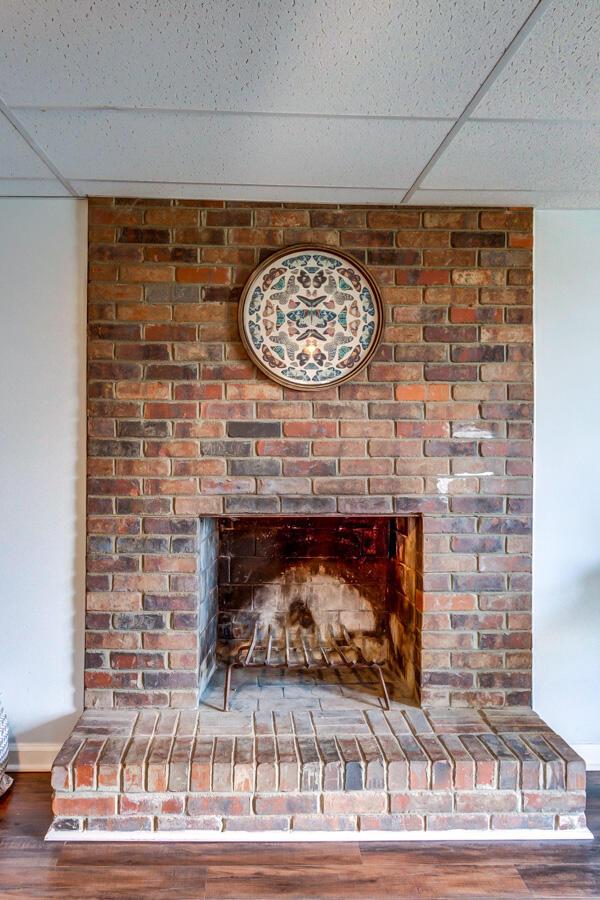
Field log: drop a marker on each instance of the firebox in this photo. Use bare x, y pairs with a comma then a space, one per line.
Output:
315, 596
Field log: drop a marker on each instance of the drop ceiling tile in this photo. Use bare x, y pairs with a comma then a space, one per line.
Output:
32, 187
17, 159
533, 156
555, 72
277, 194
421, 58
234, 149
539, 199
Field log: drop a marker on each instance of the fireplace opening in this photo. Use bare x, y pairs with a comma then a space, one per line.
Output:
311, 601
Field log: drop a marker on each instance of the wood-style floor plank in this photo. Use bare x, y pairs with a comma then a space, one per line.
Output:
567, 881
249, 883
108, 883
500, 854
301, 856
31, 869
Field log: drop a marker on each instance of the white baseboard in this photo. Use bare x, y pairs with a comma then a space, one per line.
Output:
31, 757
591, 755
288, 837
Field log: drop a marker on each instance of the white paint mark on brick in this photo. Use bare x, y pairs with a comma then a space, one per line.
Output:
473, 431
444, 483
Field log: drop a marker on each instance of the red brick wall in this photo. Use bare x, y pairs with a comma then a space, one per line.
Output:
181, 425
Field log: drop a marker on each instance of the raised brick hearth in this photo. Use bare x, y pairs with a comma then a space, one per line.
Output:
315, 770
431, 444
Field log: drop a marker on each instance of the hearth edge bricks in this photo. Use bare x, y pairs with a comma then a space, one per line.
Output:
314, 802
154, 325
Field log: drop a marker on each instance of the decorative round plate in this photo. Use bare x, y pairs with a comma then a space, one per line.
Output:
310, 317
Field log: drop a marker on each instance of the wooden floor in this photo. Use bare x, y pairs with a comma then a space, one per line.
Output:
29, 868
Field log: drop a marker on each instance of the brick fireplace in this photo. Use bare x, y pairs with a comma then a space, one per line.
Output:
397, 505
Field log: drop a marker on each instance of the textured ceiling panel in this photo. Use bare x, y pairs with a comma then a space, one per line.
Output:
540, 199
378, 57
554, 75
534, 156
17, 159
213, 148
266, 193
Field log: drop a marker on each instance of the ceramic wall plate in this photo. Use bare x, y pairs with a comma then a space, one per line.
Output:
310, 317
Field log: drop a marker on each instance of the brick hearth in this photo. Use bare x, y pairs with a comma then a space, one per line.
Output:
315, 769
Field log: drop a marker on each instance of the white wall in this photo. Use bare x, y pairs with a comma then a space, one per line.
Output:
566, 553
42, 465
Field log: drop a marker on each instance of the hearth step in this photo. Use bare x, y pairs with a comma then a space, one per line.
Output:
214, 775
293, 649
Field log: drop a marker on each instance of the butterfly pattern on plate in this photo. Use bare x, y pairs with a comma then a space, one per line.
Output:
310, 317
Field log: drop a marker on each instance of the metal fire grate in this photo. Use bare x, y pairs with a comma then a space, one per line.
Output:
292, 650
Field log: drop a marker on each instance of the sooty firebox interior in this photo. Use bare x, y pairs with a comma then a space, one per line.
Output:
314, 593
